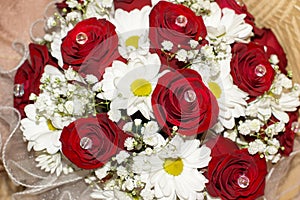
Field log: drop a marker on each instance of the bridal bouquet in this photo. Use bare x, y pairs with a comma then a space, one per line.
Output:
175, 99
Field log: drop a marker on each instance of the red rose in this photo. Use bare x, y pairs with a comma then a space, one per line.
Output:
221, 145
129, 5
267, 38
175, 23
286, 139
236, 175
238, 6
90, 46
250, 68
28, 76
91, 142
181, 99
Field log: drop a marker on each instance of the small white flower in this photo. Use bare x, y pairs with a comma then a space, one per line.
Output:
129, 143
122, 171
128, 184
114, 115
148, 151
103, 171
244, 129
254, 125
257, 146
181, 55
112, 194
274, 59
74, 16
137, 122
272, 150
167, 45
231, 134
69, 106
127, 127
72, 3
97, 87
147, 194
51, 22
122, 156
193, 43
91, 79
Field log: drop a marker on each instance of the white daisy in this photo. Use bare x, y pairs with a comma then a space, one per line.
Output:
285, 101
132, 29
130, 86
40, 134
173, 171
225, 24
55, 47
109, 194
50, 163
99, 9
231, 100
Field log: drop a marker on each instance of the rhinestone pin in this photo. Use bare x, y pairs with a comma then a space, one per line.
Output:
19, 90
240, 2
260, 70
81, 38
181, 21
243, 181
190, 96
86, 143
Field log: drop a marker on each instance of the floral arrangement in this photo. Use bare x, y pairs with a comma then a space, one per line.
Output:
175, 99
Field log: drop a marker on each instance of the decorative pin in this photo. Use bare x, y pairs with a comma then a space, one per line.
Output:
19, 90
240, 2
190, 96
181, 21
86, 143
243, 181
81, 38
260, 70
295, 127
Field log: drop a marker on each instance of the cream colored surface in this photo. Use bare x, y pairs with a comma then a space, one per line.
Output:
283, 16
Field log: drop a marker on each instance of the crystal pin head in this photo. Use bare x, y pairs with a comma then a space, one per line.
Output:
243, 181
19, 90
240, 2
181, 21
260, 70
86, 143
190, 96
81, 38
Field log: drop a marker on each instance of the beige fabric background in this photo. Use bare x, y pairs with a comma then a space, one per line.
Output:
283, 16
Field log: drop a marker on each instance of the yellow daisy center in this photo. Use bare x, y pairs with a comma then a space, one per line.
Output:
173, 167
215, 89
50, 125
132, 41
141, 87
